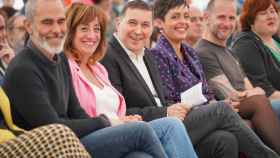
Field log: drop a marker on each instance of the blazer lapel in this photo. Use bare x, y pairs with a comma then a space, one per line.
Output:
132, 67
155, 76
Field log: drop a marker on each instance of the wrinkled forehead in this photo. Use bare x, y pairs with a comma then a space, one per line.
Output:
53, 10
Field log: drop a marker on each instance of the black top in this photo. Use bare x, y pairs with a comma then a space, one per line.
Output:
260, 66
41, 92
125, 77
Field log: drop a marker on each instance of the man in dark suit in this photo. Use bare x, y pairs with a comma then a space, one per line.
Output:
126, 77
213, 129
132, 70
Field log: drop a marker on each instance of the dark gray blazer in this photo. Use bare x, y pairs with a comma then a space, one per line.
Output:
126, 78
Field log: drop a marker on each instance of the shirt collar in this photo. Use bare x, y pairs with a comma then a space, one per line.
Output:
131, 55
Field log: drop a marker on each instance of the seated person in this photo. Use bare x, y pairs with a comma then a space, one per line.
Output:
180, 68
84, 46
223, 73
256, 50
40, 89
132, 71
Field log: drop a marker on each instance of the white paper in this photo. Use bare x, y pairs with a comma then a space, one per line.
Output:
193, 96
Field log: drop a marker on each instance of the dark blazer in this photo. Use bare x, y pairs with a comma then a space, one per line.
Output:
126, 78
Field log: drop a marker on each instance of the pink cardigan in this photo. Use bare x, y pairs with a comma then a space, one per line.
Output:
84, 92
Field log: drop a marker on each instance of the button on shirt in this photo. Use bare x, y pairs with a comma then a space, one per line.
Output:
139, 63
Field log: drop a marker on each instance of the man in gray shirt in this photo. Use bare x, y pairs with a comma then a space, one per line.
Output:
222, 70
227, 78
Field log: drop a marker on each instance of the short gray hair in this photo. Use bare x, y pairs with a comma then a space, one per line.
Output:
30, 8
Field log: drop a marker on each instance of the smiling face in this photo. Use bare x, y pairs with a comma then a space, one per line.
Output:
175, 23
87, 38
134, 29
221, 20
266, 22
47, 29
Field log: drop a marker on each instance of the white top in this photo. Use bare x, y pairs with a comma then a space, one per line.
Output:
139, 62
107, 101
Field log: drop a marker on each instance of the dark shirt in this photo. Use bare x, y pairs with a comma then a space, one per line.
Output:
178, 76
217, 60
41, 92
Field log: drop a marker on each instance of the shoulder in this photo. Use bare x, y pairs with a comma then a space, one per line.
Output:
201, 47
100, 68
155, 51
114, 45
112, 53
101, 71
159, 55
247, 44
190, 52
245, 39
23, 62
204, 51
110, 58
23, 70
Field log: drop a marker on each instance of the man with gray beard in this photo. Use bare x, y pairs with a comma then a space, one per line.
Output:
40, 89
37, 81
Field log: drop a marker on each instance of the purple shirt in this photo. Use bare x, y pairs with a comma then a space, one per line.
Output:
178, 76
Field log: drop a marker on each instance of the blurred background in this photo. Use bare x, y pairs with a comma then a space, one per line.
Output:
18, 4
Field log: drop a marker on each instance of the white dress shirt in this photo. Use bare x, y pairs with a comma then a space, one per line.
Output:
139, 63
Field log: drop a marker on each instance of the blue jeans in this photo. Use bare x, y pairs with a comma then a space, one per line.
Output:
122, 140
173, 137
276, 107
